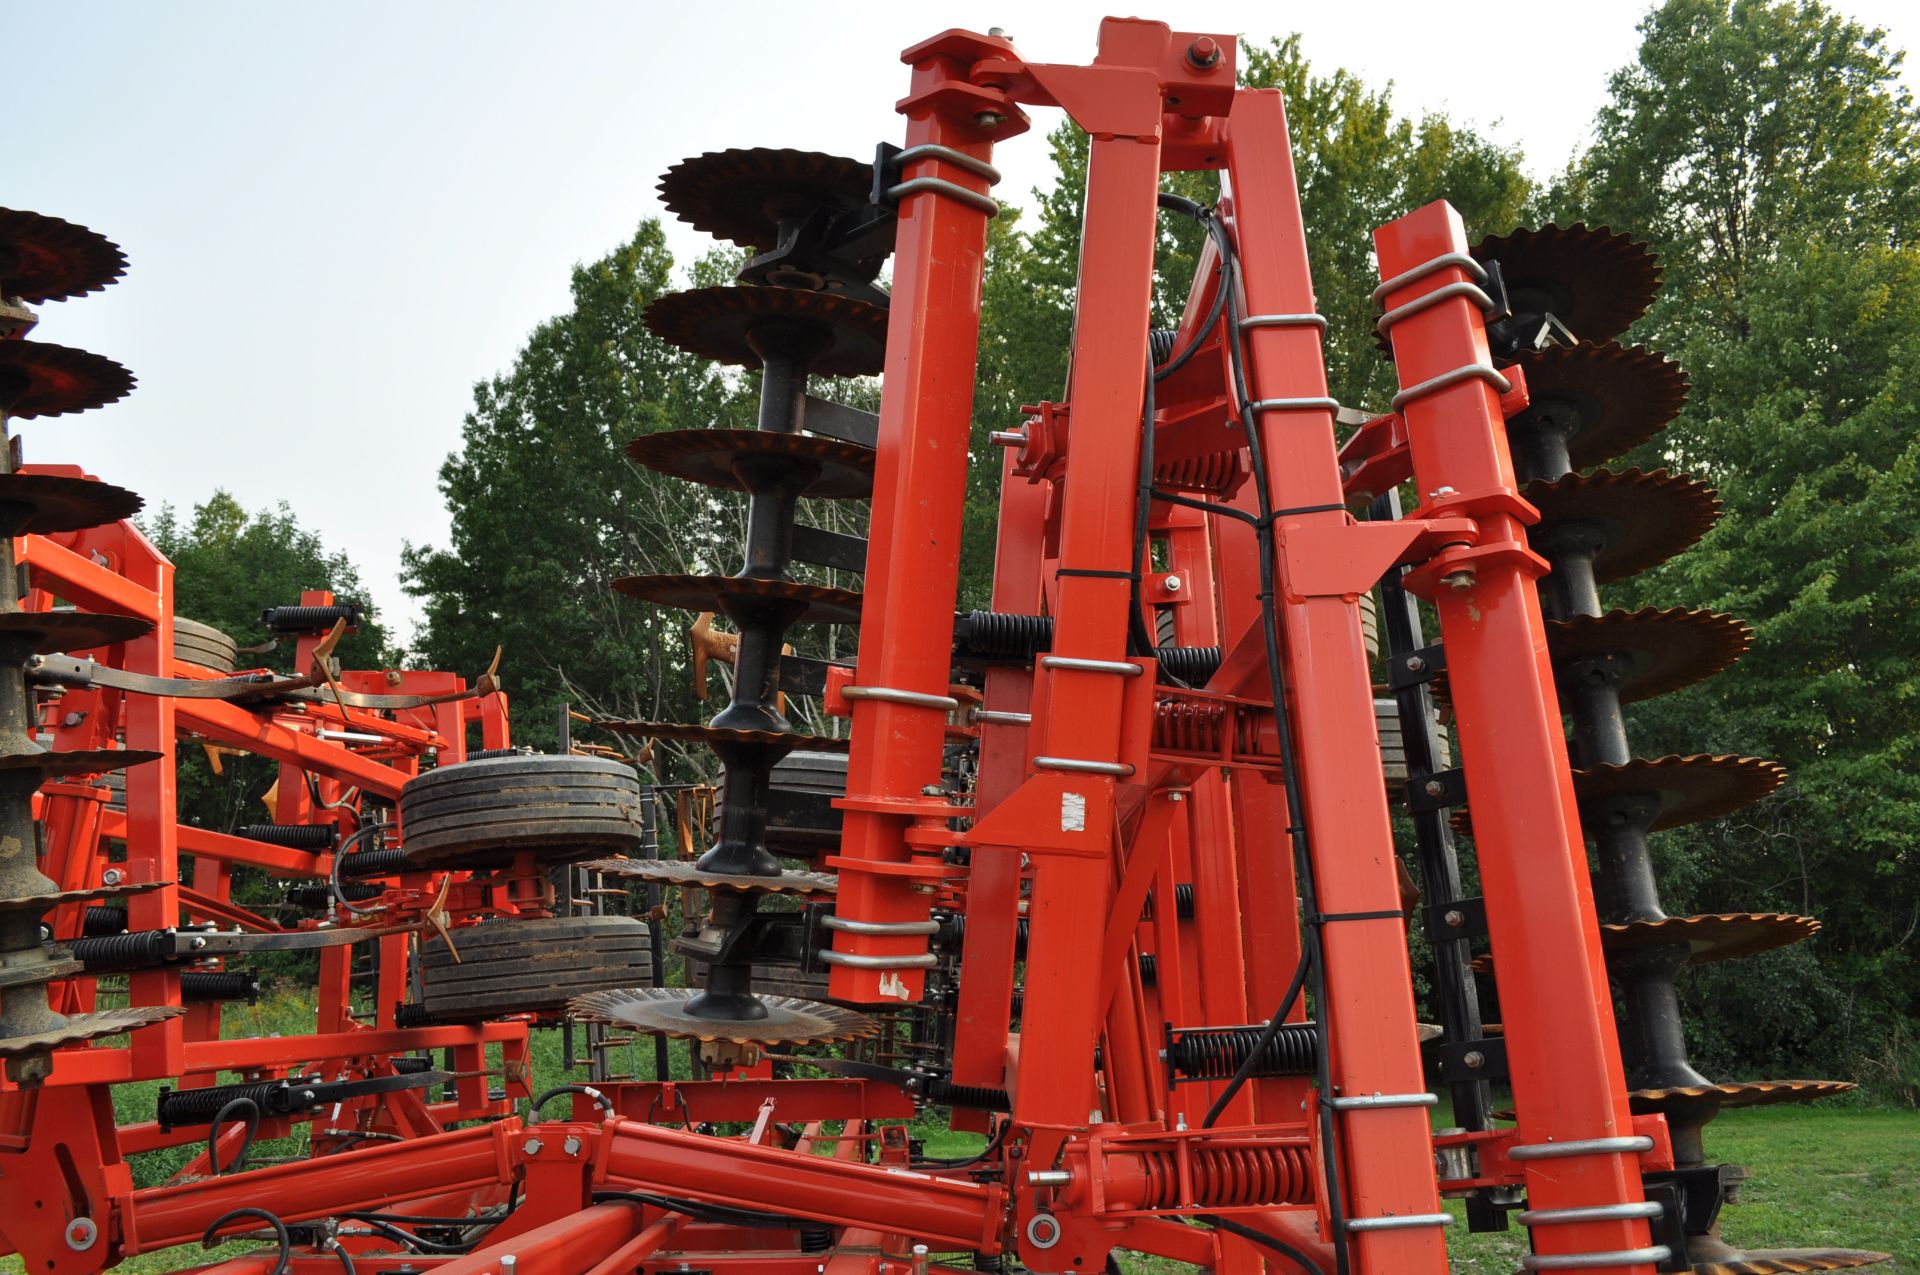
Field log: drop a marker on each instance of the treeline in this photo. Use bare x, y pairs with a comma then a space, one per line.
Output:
1767, 151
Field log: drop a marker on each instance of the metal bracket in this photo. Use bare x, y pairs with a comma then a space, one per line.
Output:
1456, 919
1467, 1060
1416, 668
1441, 789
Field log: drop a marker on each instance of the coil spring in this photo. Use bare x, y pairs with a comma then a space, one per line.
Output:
102, 922
816, 1239
953, 934
1002, 635
1215, 1053
293, 836
201, 987
316, 894
1198, 726
200, 1106
123, 953
310, 619
944, 1093
1182, 902
1214, 474
1193, 665
1229, 1177
374, 863
1149, 970
1160, 344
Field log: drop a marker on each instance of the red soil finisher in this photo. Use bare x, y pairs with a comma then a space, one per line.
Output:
1105, 875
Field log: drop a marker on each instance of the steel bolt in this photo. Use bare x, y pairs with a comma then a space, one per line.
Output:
73, 719
1455, 918
1438, 492
1474, 1060
1008, 438
113, 876
572, 1145
1415, 664
989, 120
1433, 788
1458, 580
532, 1146
1204, 52
998, 33
1173, 584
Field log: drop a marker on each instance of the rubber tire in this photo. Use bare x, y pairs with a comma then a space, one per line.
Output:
204, 646
531, 967
801, 819
480, 814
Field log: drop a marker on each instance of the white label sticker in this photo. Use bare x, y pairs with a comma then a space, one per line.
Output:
1073, 812
893, 985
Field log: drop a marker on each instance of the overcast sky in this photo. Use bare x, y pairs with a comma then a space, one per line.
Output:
342, 216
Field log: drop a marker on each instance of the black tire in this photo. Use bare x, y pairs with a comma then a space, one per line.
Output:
480, 814
801, 819
205, 646
531, 967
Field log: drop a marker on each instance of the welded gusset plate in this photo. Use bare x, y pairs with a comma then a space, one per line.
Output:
38, 379
822, 605
1594, 280
1641, 518
83, 1027
1691, 789
711, 457
1607, 398
55, 898
42, 504
662, 1011
51, 631
1748, 1093
830, 335
688, 733
44, 258
744, 195
78, 761
1655, 651
1716, 937
1707, 1255
686, 872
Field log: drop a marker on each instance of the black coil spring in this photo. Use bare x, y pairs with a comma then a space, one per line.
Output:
1160, 344
944, 1093
1149, 970
201, 987
1000, 635
952, 934
374, 863
310, 619
1193, 665
993, 1262
1182, 902
816, 1239
1215, 1053
200, 1106
293, 836
103, 921
123, 953
317, 894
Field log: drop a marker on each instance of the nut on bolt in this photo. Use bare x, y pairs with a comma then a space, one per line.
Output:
989, 120
1458, 580
1204, 53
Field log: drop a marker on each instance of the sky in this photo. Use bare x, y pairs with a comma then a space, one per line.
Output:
341, 217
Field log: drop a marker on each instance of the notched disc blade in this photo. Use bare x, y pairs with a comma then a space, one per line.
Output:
55, 898
1718, 937
44, 258
1707, 1255
686, 872
743, 195
84, 1027
43, 504
712, 457
1748, 1093
78, 761
1691, 789
1608, 398
688, 733
1595, 280
823, 605
662, 1011
39, 379
830, 335
1661, 650
52, 631
1642, 518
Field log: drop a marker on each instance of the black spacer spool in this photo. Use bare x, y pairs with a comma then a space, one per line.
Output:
292, 836
1216, 1053
310, 619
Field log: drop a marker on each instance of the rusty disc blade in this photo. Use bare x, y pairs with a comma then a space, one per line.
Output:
1749, 1093
51, 631
712, 458
823, 605
84, 1027
42, 504
1641, 518
662, 1011
1591, 278
1709, 1255
44, 258
78, 761
1608, 398
1658, 650
55, 898
38, 379
1691, 789
830, 335
686, 872
744, 195
689, 733
1717, 937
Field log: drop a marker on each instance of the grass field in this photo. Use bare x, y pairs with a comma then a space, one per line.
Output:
1834, 1176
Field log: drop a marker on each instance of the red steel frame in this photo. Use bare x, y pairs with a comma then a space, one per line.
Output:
1084, 808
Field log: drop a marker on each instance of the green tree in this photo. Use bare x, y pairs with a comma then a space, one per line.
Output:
1768, 153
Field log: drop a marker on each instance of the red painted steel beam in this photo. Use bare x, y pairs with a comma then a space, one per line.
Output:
242, 728
1562, 1048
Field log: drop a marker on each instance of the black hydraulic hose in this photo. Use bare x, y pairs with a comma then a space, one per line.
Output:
601, 1100
346, 1259
1259, 1049
1186, 207
242, 1108
279, 1233
701, 1212
333, 881
1273, 1242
